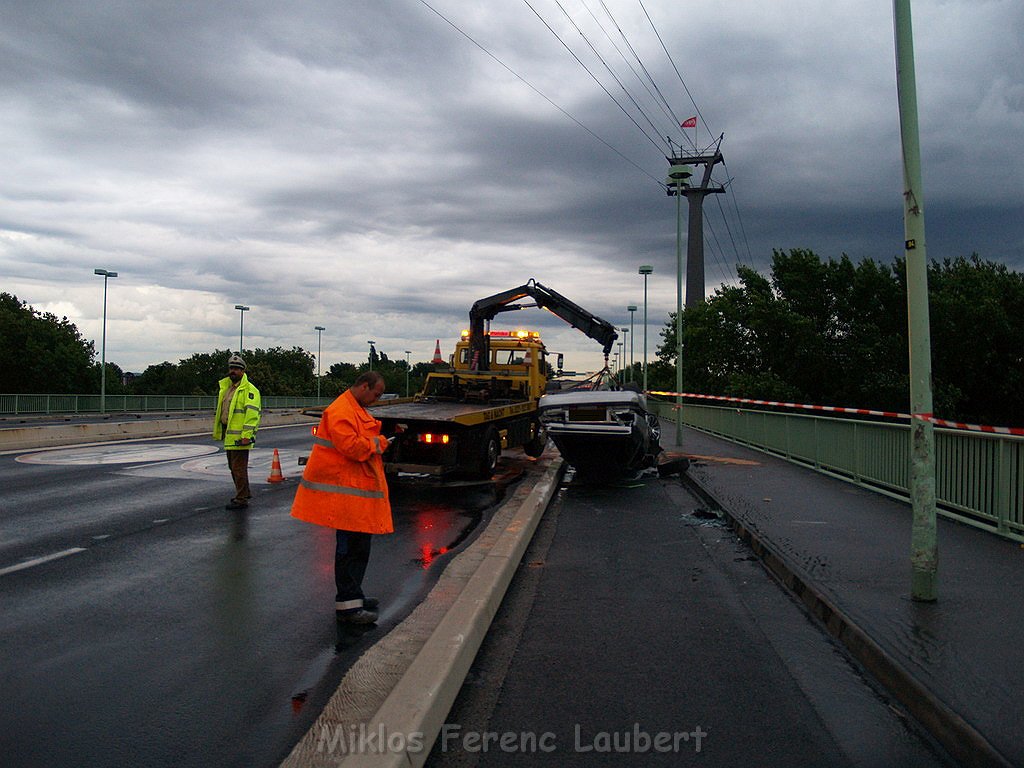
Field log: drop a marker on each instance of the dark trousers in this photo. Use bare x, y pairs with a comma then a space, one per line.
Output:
238, 463
351, 555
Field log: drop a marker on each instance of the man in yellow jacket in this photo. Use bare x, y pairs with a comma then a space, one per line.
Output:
235, 422
343, 487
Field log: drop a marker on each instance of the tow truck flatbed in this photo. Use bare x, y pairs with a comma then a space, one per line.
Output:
467, 414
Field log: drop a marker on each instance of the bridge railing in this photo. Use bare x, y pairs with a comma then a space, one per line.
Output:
979, 477
14, 405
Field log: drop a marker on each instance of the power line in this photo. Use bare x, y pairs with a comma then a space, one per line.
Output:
536, 90
705, 124
594, 77
662, 103
658, 99
600, 58
674, 116
673, 63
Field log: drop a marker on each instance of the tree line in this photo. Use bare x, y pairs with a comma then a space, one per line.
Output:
827, 332
43, 354
835, 333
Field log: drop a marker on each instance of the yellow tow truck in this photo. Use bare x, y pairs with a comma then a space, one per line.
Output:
486, 400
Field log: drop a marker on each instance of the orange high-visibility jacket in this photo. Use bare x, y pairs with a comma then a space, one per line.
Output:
343, 485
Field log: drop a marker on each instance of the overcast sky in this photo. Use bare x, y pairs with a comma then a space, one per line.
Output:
363, 166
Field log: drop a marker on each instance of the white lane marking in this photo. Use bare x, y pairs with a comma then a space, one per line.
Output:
119, 454
40, 560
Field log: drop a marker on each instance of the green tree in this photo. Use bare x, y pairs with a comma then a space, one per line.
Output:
41, 353
836, 333
279, 371
338, 378
161, 379
977, 322
276, 371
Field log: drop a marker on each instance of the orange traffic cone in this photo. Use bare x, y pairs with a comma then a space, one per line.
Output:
275, 470
438, 360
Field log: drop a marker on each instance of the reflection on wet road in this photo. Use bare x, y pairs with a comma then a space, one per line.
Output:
181, 633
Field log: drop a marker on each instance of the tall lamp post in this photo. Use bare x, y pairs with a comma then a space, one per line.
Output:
371, 342
242, 309
103, 344
924, 545
625, 359
407, 353
632, 309
319, 330
645, 270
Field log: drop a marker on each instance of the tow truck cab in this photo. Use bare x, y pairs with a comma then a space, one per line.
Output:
463, 417
516, 370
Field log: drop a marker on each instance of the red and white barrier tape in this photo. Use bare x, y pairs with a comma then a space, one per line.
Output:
859, 411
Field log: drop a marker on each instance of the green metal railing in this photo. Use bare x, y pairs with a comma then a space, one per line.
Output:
15, 405
979, 477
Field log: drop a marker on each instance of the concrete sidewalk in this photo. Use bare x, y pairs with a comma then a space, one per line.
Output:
957, 664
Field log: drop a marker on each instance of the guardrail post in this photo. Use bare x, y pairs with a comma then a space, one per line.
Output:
1003, 487
856, 455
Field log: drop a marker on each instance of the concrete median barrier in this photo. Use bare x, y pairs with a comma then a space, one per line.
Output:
55, 435
390, 707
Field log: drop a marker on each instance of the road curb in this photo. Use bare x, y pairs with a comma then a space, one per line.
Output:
404, 727
964, 742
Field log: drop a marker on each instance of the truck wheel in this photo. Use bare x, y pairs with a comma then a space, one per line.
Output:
490, 450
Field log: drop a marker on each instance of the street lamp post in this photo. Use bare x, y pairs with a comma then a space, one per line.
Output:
625, 359
319, 330
645, 270
632, 309
371, 342
242, 309
407, 353
103, 344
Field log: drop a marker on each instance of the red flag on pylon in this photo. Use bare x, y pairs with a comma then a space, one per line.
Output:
438, 360
690, 122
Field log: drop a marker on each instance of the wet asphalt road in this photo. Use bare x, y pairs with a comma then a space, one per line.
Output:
166, 630
636, 617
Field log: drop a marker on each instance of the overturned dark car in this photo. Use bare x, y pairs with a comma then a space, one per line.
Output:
604, 434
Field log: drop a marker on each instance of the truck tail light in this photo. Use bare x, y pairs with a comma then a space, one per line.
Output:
430, 437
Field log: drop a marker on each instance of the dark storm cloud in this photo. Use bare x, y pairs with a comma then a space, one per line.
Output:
367, 163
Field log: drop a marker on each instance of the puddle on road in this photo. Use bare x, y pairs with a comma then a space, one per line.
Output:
441, 519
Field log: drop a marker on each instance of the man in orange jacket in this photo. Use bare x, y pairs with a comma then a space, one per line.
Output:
343, 487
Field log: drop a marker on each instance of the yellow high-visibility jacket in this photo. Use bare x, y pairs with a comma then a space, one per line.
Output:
243, 416
343, 485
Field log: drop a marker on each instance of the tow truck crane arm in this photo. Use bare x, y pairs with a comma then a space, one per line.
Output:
484, 310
